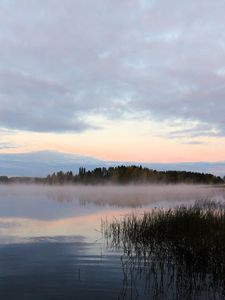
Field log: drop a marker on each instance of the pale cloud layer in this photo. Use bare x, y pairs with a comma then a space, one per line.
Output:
62, 61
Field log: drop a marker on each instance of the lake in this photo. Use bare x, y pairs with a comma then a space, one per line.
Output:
52, 245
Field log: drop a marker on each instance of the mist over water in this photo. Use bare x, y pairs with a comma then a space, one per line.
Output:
33, 211
51, 240
118, 195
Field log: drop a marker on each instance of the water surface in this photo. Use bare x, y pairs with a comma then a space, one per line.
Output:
51, 245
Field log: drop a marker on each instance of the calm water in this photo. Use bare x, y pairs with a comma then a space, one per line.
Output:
51, 245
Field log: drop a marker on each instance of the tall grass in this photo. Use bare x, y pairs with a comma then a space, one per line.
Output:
185, 244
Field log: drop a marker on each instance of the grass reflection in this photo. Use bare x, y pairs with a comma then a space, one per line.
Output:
174, 253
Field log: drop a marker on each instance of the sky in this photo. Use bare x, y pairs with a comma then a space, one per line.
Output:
128, 80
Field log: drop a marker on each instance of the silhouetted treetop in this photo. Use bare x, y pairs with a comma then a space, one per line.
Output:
131, 174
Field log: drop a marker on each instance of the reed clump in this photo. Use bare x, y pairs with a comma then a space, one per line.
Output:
189, 238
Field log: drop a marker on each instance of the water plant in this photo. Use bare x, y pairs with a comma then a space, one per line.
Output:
181, 249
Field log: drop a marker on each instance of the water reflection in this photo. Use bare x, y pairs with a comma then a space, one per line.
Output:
154, 279
173, 254
58, 270
51, 245
31, 211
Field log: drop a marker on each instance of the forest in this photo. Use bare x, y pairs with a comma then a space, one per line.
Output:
117, 175
131, 174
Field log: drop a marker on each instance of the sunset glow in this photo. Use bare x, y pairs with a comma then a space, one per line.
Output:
133, 81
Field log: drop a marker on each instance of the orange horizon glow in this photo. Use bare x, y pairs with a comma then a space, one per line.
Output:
139, 142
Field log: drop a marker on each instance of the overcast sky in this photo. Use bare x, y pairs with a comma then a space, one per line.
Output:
126, 80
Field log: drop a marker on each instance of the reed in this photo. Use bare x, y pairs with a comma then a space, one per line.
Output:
190, 240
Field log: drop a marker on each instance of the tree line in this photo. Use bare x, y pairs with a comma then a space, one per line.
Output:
131, 174
20, 180
118, 175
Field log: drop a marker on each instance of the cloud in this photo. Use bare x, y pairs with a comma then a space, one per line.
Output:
30, 103
6, 145
62, 61
195, 130
194, 143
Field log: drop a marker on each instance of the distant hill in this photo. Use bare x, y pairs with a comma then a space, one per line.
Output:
42, 163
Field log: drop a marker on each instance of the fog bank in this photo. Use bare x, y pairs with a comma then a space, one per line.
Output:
117, 195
